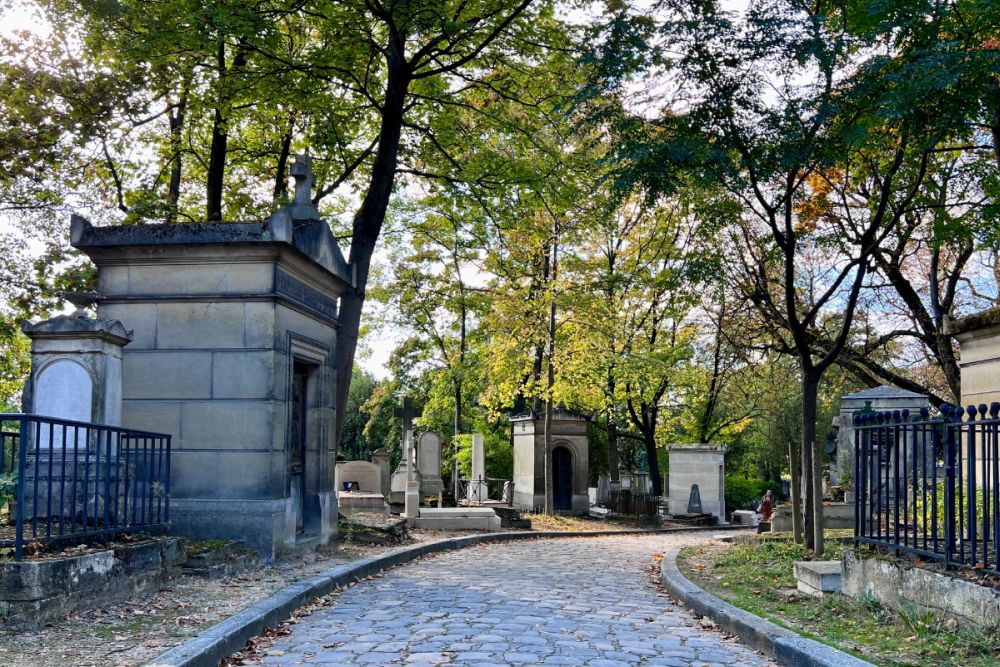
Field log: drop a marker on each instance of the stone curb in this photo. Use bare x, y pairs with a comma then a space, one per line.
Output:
231, 635
787, 647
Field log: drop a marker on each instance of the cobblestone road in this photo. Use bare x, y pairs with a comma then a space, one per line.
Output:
554, 602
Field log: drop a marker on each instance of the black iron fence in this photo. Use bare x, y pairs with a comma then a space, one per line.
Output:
627, 503
68, 480
484, 490
930, 486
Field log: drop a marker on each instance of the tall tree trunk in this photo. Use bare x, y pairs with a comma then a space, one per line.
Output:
812, 462
217, 156
366, 229
655, 478
793, 465
176, 163
550, 383
281, 172
613, 472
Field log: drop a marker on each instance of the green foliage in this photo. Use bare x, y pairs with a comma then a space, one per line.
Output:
499, 455
743, 493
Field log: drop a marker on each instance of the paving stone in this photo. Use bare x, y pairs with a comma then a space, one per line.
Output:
553, 602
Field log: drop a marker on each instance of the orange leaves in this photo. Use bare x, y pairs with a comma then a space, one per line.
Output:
816, 204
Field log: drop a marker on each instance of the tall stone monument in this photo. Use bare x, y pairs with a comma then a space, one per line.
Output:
380, 457
429, 463
478, 491
233, 354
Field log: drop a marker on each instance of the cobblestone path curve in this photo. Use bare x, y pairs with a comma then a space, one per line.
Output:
587, 601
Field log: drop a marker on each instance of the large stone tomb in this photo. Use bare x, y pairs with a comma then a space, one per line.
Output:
570, 460
233, 354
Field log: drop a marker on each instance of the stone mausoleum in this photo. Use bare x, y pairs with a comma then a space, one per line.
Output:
234, 328
570, 461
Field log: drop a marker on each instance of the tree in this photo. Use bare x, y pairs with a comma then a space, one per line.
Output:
792, 148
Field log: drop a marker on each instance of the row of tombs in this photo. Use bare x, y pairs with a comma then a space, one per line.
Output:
222, 336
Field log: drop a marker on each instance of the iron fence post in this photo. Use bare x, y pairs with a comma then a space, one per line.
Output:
949, 484
22, 463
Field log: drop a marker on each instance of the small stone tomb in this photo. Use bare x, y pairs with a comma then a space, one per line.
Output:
818, 577
359, 488
703, 467
570, 460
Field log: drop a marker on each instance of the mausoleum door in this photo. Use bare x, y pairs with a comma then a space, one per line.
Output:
562, 479
297, 444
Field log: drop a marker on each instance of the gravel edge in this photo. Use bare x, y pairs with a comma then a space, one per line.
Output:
231, 635
782, 644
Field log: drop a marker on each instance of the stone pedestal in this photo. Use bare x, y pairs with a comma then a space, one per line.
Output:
478, 491
380, 457
411, 507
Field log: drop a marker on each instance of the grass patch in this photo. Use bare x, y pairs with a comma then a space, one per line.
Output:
751, 573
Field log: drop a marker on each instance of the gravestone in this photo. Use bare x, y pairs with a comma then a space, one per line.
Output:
76, 369
478, 491
694, 501
365, 494
570, 457
429, 463
366, 475
380, 457
234, 355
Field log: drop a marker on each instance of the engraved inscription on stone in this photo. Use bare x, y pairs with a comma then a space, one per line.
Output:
300, 293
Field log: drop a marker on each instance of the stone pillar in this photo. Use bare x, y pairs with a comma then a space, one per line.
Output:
76, 369
380, 457
978, 338
477, 482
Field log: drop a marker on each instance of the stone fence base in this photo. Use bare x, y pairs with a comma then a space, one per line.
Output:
906, 588
33, 593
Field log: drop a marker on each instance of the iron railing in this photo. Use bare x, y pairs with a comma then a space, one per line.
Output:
78, 480
930, 487
627, 503
484, 490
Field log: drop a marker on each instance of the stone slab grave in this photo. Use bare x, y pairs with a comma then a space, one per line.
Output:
818, 577
359, 488
835, 516
746, 518
457, 518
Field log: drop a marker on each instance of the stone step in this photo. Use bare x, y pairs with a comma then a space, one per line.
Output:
818, 577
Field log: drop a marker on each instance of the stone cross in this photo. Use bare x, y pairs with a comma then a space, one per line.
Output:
407, 412
302, 207
304, 178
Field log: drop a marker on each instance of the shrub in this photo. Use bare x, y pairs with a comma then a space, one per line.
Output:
744, 494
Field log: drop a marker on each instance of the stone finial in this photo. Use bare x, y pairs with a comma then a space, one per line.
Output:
81, 300
302, 207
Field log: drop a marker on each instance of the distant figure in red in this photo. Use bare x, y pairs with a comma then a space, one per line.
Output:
766, 508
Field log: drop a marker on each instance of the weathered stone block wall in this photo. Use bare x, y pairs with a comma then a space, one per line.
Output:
902, 587
33, 593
